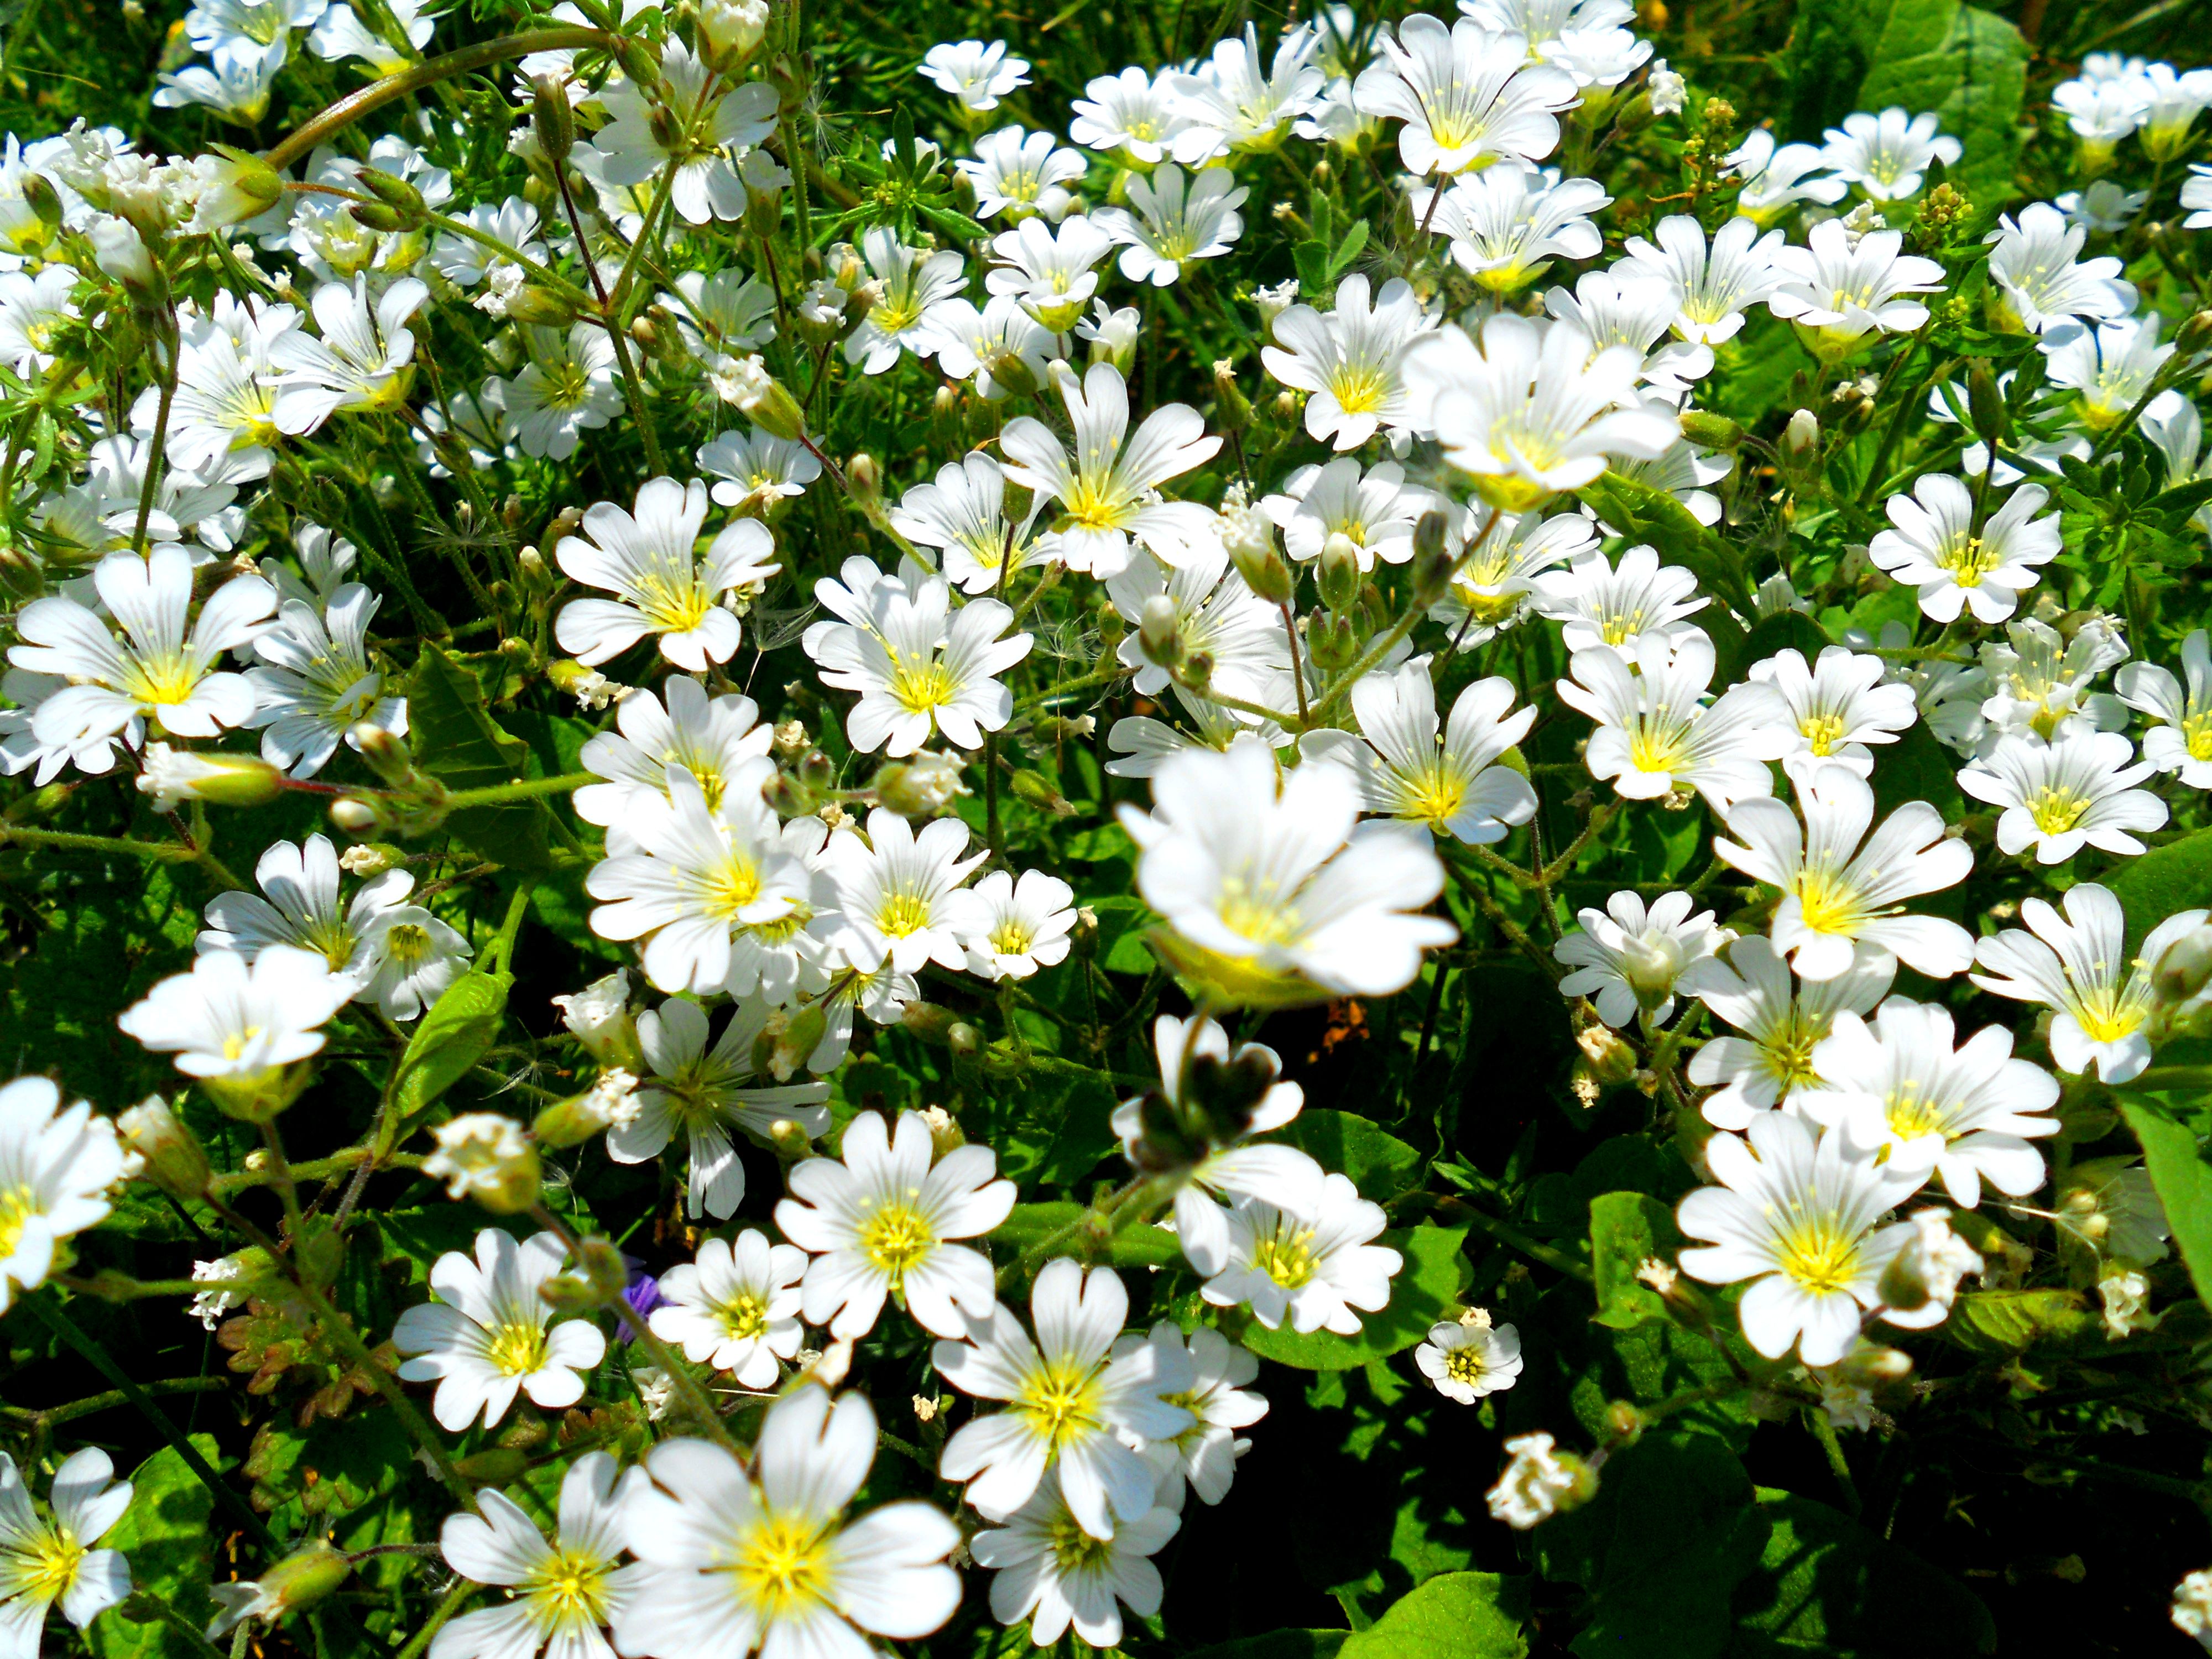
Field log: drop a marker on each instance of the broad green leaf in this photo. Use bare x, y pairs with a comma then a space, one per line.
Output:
1138, 1245
1378, 1163
2164, 881
461, 1026
1825, 1580
1123, 920
1436, 1271
456, 740
1646, 514
2183, 1181
168, 1535
1626, 1230
1456, 1616
2012, 1322
1670, 1533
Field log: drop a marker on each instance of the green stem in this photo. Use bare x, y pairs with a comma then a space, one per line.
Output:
1340, 688
1506, 1233
521, 789
48, 1308
153, 852
320, 128
455, 1599
92, 1405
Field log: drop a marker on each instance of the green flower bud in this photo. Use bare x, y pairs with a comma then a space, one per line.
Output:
175, 1162
552, 118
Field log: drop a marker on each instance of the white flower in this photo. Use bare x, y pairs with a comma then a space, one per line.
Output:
1447, 781
1079, 1405
487, 1155
1019, 172
1021, 926
722, 316
2196, 192
2180, 740
1776, 178
1352, 361
2059, 796
1782, 1019
559, 1593
1634, 959
2192, 1607
1465, 1362
754, 470
566, 389
1795, 1211
1375, 511
56, 1166
1887, 154
491, 1336
340, 35
2104, 207
1047, 1570
1627, 306
1839, 291
225, 1020
1839, 898
2040, 680
900, 894
698, 877
914, 287
1268, 873
1534, 410
736, 1307
1109, 492
1144, 118
236, 83
45, 1559
1493, 587
2111, 367
1654, 734
1898, 1093
158, 667
918, 672
1827, 713
962, 514
315, 684
1468, 97
1250, 107
32, 309
705, 1095
1203, 1455
667, 589
1214, 612
999, 347
695, 122
1507, 224
762, 1557
711, 739
2033, 261
977, 74
2172, 103
362, 362
2077, 964
1598, 604
2178, 436
1714, 286
1315, 1271
1049, 272
1529, 1491
880, 1219
1936, 548
1165, 226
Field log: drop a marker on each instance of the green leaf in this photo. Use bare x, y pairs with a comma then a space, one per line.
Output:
1643, 514
1436, 1270
456, 740
1138, 1245
460, 1028
2164, 881
1968, 65
2183, 1181
1348, 249
1791, 630
1456, 1616
1123, 920
2013, 1321
1671, 1532
1379, 1164
1827, 1583
1311, 259
1917, 767
168, 1535
1626, 1230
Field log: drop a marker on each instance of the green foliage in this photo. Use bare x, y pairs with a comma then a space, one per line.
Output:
2184, 1180
168, 1535
458, 1030
1824, 1585
465, 748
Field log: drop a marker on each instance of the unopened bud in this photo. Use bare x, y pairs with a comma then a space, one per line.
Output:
42, 198
1711, 431
2195, 334
801, 1035
1232, 409
386, 752
1159, 634
763, 400
2184, 968
1339, 573
355, 816
1034, 788
964, 1040
1433, 559
552, 118
1803, 434
945, 1135
599, 1018
932, 1022
173, 1157
538, 307
1985, 403
924, 786
172, 775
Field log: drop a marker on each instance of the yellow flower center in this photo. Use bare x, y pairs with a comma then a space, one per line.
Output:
2104, 1016
921, 685
2056, 808
725, 890
564, 385
1968, 559
1912, 1114
1827, 904
1061, 1401
902, 913
674, 604
1011, 939
1819, 1255
895, 1239
159, 680
1823, 732
234, 1043
744, 1315
50, 1559
516, 1350
1287, 1258
783, 1567
408, 942
1663, 749
1435, 797
1075, 1550
1256, 913
1358, 388
19, 1205
2196, 733
571, 1587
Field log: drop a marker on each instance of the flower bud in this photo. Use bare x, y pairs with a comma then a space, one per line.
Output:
804, 1028
1711, 431
1803, 434
763, 399
174, 1160
172, 775
1331, 642
393, 192
538, 307
1011, 370
931, 1022
1159, 634
486, 1157
1433, 557
42, 198
1249, 537
552, 118
1034, 788
495, 1466
964, 1040
1232, 409
355, 816
945, 1135
922, 786
599, 1018
300, 1580
1339, 572
387, 753
607, 1104
2195, 335
2184, 968
1985, 403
